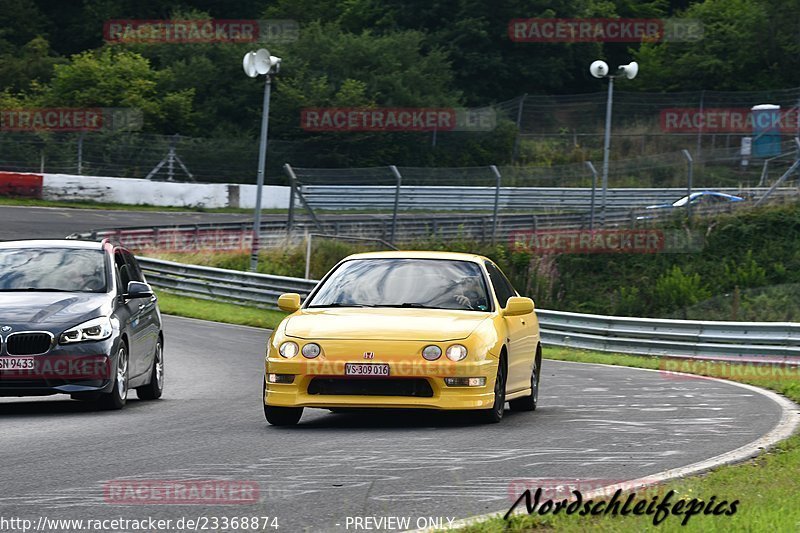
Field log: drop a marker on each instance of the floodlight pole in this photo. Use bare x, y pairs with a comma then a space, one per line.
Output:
599, 69
606, 150
262, 160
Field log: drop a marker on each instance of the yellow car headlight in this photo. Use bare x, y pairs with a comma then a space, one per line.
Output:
288, 349
311, 350
432, 352
456, 352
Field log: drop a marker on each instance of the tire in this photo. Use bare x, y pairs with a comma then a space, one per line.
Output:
118, 396
528, 403
281, 416
154, 389
495, 414
85, 396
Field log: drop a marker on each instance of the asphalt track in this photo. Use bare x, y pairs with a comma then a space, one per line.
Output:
596, 424
23, 222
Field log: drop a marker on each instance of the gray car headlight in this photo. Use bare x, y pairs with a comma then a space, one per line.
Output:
96, 329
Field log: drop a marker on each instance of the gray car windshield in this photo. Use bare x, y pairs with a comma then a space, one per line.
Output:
413, 283
52, 269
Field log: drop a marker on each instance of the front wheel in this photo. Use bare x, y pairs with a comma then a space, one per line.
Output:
118, 396
528, 403
495, 414
281, 416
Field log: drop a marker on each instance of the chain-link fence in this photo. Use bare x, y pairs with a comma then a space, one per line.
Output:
553, 134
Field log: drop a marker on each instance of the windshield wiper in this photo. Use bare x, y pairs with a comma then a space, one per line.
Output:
337, 305
414, 305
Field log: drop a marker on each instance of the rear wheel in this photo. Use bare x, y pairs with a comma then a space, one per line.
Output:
281, 416
528, 403
153, 390
118, 396
495, 414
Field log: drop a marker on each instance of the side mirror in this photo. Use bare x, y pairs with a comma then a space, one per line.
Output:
289, 302
518, 305
137, 289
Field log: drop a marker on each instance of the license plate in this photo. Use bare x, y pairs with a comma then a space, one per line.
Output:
366, 369
16, 363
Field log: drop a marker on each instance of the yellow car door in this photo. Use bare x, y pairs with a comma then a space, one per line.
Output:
520, 334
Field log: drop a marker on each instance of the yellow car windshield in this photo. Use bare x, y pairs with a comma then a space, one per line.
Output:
422, 283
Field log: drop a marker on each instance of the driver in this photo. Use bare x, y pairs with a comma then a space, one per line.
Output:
470, 293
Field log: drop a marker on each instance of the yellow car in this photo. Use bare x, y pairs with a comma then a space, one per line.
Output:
430, 330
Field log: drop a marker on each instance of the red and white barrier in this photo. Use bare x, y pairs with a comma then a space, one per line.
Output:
133, 191
21, 184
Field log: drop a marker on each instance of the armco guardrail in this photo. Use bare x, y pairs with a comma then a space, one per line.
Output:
676, 338
481, 198
220, 284
238, 235
410, 228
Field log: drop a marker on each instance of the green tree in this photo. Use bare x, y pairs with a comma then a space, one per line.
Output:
118, 78
746, 45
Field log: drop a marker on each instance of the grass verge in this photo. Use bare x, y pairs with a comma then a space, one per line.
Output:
172, 304
766, 486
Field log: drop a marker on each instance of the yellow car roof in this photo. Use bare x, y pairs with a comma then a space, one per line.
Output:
419, 254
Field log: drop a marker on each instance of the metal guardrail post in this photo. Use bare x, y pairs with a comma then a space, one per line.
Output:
292, 176
689, 175
783, 178
399, 179
80, 152
496, 209
594, 189
292, 188
520, 106
308, 254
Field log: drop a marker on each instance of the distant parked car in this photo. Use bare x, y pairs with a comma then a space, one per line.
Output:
701, 198
77, 318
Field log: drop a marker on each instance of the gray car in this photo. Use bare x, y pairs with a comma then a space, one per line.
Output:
78, 318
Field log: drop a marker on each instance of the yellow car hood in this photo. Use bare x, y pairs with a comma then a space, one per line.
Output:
434, 325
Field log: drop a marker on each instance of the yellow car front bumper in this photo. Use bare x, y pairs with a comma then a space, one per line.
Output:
442, 396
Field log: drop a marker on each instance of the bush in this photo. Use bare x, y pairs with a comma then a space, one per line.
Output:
676, 289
